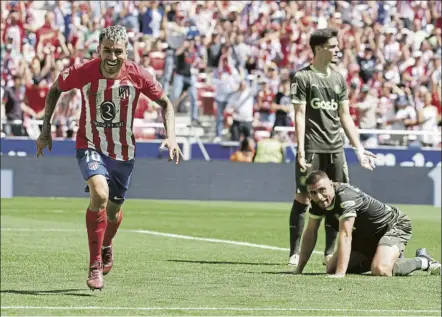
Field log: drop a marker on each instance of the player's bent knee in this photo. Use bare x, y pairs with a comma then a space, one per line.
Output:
381, 270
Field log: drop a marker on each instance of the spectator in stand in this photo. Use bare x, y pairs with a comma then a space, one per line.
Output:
240, 104
379, 49
246, 151
184, 75
427, 119
367, 108
175, 36
13, 101
282, 106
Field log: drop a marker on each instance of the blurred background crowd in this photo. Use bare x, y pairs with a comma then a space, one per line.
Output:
226, 65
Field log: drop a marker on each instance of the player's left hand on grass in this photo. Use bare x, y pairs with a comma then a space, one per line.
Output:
366, 158
43, 140
174, 150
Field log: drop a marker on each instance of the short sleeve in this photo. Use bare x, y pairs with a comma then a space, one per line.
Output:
343, 95
298, 90
70, 78
150, 87
350, 202
315, 212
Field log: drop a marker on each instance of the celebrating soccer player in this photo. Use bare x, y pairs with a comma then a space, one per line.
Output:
319, 95
372, 235
110, 86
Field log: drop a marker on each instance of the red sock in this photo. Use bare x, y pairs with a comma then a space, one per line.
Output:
96, 226
111, 230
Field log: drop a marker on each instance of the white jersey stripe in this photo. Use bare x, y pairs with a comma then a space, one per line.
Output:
102, 85
88, 131
130, 105
116, 131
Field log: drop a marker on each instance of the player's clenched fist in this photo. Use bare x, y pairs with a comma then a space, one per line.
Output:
43, 140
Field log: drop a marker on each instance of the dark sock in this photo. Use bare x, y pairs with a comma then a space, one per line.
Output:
96, 226
404, 267
296, 223
111, 229
330, 239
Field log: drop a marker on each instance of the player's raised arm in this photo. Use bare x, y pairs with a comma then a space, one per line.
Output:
308, 242
365, 157
169, 124
344, 245
45, 137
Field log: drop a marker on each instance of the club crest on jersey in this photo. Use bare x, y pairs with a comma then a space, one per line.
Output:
93, 166
337, 89
123, 92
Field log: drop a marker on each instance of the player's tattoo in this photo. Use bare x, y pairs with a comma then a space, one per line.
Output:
51, 101
168, 114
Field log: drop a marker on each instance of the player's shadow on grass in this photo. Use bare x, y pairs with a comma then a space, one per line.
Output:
221, 262
68, 292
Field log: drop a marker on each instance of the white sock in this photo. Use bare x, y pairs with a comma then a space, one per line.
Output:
425, 264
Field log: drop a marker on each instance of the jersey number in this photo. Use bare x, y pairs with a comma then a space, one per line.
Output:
92, 156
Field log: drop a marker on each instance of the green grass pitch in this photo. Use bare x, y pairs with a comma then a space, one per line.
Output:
184, 258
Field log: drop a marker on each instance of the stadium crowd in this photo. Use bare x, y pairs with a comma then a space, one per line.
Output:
231, 61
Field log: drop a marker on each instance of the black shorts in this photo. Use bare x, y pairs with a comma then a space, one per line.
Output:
398, 234
333, 164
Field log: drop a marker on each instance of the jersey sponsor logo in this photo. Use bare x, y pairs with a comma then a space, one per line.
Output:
65, 74
347, 204
317, 103
107, 111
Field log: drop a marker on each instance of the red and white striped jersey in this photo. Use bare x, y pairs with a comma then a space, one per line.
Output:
108, 106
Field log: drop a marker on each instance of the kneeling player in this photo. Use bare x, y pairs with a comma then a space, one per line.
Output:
372, 235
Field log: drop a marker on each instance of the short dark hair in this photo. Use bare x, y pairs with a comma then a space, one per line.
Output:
321, 36
314, 177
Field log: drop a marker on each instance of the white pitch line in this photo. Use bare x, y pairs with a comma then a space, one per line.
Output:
223, 308
169, 235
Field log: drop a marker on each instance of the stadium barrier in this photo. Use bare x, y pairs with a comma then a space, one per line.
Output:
386, 156
217, 180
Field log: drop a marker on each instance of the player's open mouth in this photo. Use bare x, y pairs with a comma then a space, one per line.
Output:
112, 64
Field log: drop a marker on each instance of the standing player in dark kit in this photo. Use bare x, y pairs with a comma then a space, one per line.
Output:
110, 87
372, 235
319, 95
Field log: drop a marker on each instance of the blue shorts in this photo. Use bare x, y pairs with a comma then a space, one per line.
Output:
117, 173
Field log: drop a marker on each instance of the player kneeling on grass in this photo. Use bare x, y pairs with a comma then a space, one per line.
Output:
372, 235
